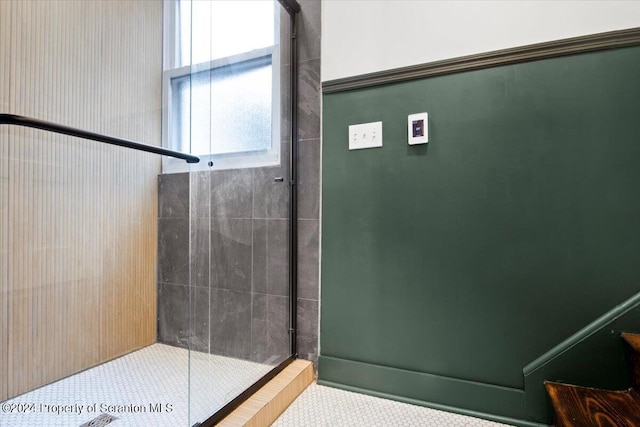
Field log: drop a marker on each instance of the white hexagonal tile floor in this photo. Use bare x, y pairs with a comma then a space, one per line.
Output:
320, 406
149, 387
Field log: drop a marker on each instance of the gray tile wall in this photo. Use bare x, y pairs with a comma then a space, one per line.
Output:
309, 114
173, 260
239, 240
236, 303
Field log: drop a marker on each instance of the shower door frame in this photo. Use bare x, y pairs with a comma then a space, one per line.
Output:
292, 7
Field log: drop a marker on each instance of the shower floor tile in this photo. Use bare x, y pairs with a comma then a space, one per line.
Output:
149, 387
321, 406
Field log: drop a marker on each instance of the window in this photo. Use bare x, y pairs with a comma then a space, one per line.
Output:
221, 92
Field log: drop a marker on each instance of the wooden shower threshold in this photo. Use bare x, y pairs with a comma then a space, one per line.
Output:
269, 402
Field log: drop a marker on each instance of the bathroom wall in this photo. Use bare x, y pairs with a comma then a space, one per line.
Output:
4, 192
236, 303
239, 241
517, 220
366, 36
448, 267
77, 218
309, 133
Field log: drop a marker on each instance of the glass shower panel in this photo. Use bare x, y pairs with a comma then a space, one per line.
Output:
242, 123
151, 298
239, 249
81, 224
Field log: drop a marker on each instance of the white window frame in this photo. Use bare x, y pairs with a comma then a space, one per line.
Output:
247, 159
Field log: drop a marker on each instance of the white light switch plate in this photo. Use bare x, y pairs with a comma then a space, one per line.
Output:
365, 135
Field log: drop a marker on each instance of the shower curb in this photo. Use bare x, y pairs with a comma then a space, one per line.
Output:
270, 401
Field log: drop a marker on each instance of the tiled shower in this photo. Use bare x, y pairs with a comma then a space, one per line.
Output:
239, 237
240, 244
107, 261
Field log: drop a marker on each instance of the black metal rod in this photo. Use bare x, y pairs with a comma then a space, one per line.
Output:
12, 119
293, 200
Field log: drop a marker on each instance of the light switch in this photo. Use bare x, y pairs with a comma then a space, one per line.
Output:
418, 128
365, 135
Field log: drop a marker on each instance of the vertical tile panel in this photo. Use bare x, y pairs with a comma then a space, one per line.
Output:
77, 230
5, 46
15, 294
309, 30
230, 323
309, 182
278, 257
309, 99
131, 87
308, 259
45, 200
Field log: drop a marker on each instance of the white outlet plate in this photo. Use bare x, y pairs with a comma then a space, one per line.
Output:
365, 135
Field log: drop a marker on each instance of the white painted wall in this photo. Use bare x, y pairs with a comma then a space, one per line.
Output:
364, 36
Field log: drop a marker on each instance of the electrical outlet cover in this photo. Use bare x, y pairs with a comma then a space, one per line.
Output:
365, 135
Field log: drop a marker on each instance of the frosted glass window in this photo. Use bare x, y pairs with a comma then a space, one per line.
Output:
216, 29
230, 108
221, 93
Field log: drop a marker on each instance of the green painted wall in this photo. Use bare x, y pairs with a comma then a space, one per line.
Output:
448, 267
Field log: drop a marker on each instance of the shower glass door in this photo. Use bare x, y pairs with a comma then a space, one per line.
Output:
79, 220
129, 293
234, 98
